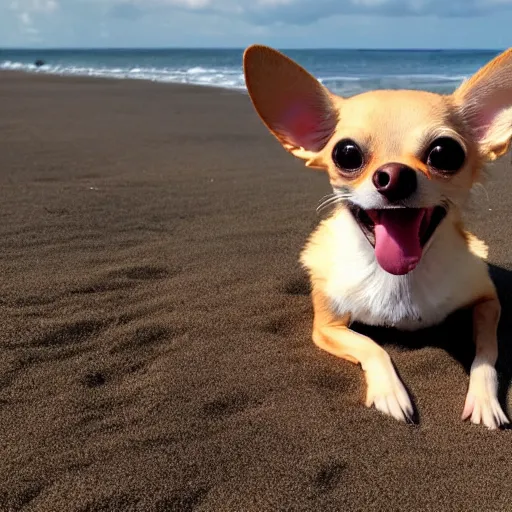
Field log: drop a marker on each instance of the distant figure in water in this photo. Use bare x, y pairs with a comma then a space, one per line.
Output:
39, 63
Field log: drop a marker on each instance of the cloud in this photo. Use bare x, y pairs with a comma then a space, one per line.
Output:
27, 24
126, 11
239, 22
27, 13
34, 5
258, 12
309, 11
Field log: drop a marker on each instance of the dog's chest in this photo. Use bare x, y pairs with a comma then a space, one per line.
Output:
447, 278
405, 302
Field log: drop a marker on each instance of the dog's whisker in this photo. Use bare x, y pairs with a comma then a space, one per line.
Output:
326, 199
447, 203
480, 186
332, 200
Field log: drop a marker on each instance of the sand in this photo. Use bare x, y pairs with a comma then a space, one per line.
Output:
155, 350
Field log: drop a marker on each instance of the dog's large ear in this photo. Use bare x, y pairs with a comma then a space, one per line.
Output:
294, 106
486, 104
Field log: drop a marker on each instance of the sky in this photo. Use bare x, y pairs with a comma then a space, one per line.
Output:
238, 23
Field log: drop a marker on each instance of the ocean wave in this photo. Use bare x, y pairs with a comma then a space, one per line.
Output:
226, 78
232, 77
341, 78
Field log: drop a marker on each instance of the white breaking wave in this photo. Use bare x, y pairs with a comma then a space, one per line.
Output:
232, 78
217, 77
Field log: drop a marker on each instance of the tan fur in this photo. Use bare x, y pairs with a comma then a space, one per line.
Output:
490, 86
348, 284
475, 245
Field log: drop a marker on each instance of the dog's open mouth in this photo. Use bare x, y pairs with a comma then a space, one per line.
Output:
399, 235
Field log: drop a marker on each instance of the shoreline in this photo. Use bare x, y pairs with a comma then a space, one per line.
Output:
64, 76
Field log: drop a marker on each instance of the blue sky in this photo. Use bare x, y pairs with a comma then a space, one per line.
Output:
237, 23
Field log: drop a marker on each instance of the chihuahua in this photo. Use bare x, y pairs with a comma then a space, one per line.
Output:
394, 252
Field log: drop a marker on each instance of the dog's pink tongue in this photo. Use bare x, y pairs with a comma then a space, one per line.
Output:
397, 239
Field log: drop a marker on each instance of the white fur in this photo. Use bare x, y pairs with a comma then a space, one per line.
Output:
482, 404
385, 390
447, 278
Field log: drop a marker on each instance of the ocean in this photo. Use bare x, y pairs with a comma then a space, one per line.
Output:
345, 72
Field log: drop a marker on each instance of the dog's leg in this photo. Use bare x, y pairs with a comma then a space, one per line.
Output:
482, 404
384, 389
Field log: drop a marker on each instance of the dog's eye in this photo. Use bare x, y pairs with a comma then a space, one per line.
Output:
446, 155
347, 156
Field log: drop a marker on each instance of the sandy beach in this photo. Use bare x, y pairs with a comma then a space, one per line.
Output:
155, 335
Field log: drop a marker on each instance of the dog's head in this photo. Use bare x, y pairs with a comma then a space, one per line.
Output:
399, 159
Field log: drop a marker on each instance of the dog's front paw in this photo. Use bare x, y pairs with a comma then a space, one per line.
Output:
386, 391
482, 406
485, 410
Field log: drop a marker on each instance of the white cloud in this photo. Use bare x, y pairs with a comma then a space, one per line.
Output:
27, 11
267, 12
25, 19
273, 3
34, 5
237, 22
308, 11
191, 4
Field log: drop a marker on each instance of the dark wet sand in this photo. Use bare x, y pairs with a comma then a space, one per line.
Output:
155, 349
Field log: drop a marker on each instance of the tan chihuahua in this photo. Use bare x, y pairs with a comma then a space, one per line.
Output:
394, 252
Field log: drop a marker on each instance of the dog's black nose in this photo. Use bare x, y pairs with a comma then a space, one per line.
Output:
395, 181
